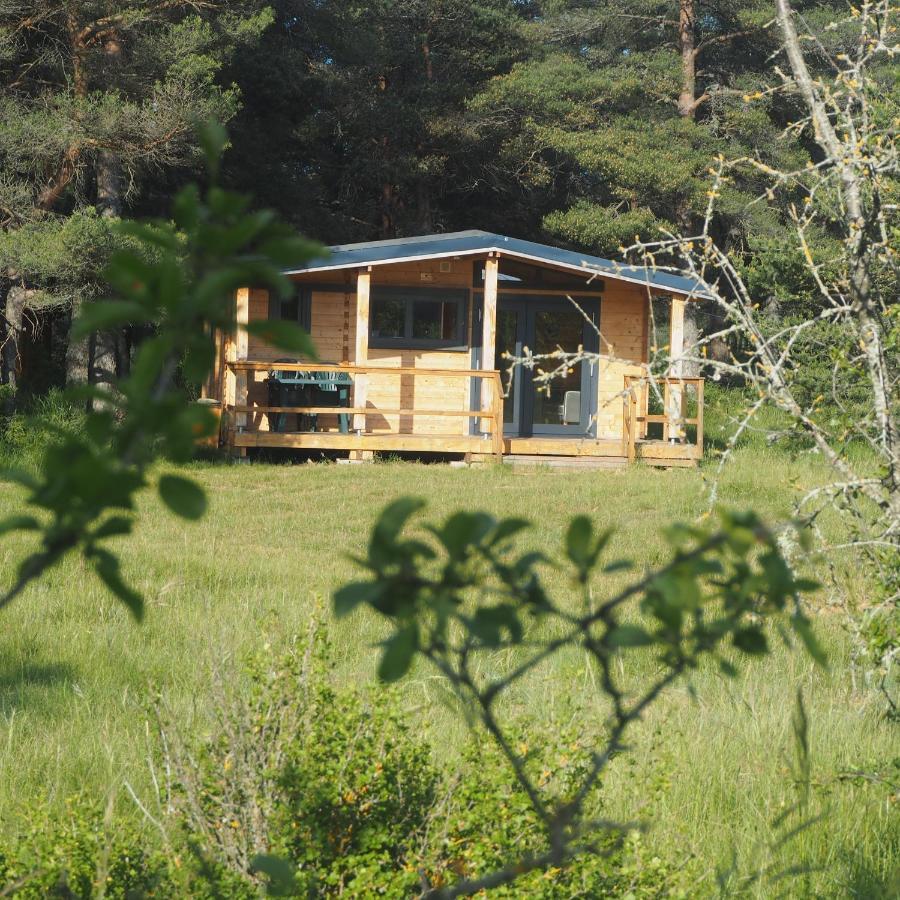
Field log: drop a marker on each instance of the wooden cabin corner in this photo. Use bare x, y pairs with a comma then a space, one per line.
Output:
414, 338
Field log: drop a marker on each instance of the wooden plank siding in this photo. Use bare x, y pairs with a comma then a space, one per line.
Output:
623, 328
624, 312
333, 331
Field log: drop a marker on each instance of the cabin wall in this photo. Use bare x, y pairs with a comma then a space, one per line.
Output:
623, 330
624, 316
333, 331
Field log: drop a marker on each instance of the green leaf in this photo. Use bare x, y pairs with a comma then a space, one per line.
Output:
280, 874
751, 640
286, 335
508, 528
804, 630
19, 523
184, 497
463, 530
105, 314
213, 139
352, 595
112, 527
578, 540
107, 567
399, 650
389, 525
727, 668
629, 636
618, 565
489, 622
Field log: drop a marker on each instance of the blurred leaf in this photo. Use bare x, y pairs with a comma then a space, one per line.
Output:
184, 497
399, 650
347, 598
112, 527
390, 523
629, 636
578, 540
804, 630
279, 872
213, 140
19, 523
751, 640
105, 314
286, 335
107, 567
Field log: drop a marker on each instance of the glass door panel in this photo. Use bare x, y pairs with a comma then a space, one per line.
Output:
558, 329
510, 329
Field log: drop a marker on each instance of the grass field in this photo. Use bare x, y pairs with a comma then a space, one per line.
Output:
708, 773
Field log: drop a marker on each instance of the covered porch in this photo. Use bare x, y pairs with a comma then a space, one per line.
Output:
476, 434
437, 345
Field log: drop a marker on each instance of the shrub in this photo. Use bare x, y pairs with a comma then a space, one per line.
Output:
357, 793
24, 435
81, 855
490, 821
332, 782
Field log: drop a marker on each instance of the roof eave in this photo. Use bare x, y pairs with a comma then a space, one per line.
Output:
501, 251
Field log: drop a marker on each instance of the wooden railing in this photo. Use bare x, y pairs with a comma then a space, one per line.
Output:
490, 416
635, 416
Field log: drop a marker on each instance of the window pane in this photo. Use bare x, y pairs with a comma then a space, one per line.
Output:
435, 320
561, 329
290, 309
387, 318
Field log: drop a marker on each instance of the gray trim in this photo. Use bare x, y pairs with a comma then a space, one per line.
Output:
476, 243
410, 295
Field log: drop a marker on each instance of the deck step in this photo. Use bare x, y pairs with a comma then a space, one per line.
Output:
565, 462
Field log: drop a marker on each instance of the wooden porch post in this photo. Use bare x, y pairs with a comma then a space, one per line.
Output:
489, 334
674, 409
361, 382
241, 351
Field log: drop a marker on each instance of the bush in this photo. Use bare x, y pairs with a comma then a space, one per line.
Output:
332, 791
357, 793
490, 821
24, 435
80, 856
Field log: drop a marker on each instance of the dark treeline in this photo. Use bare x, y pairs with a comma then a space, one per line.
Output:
582, 123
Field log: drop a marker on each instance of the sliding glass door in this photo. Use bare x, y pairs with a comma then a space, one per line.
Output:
565, 404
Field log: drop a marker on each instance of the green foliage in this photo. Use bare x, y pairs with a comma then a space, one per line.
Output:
24, 435
180, 277
80, 856
717, 589
466, 591
489, 820
357, 792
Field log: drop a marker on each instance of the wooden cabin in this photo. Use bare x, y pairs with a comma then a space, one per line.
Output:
414, 338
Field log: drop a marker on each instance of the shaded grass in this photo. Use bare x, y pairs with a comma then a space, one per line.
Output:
709, 772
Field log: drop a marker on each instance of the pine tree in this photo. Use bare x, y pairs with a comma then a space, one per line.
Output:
98, 98
363, 111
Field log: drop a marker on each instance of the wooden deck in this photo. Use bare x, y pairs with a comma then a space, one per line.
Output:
247, 424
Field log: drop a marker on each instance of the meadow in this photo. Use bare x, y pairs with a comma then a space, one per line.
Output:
709, 768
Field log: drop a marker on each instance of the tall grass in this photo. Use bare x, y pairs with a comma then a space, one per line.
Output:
709, 768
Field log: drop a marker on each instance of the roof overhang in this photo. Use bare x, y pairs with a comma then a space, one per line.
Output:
627, 273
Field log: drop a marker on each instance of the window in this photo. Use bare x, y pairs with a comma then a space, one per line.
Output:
296, 308
417, 318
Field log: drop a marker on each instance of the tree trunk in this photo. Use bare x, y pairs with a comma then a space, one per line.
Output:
687, 107
108, 170
13, 315
687, 99
388, 226
110, 182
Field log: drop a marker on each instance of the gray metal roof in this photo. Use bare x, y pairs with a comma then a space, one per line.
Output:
472, 243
